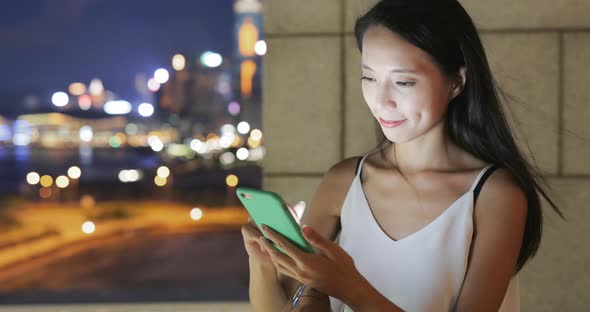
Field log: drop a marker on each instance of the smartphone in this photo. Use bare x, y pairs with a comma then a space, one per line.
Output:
268, 208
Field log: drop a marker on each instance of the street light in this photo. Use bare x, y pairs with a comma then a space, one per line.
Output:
211, 59
145, 109
178, 62
60, 99
161, 75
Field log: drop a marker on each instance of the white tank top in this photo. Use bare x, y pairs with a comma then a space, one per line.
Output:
423, 271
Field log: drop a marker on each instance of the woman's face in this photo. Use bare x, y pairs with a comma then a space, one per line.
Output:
401, 83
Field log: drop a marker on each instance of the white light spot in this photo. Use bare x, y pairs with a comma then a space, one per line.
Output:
117, 107
60, 99
242, 153
260, 47
145, 109
161, 75
86, 133
196, 214
243, 127
88, 227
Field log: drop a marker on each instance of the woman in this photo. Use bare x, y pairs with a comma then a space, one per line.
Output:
446, 211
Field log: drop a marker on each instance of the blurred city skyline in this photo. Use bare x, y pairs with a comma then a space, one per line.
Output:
47, 45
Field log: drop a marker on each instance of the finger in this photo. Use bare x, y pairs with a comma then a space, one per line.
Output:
320, 243
277, 256
291, 250
250, 231
286, 271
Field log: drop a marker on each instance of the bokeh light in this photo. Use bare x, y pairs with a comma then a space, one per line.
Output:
153, 85
62, 181
85, 102
33, 178
161, 75
196, 214
242, 153
45, 192
88, 227
233, 108
163, 172
227, 158
46, 181
96, 87
87, 201
243, 127
60, 99
74, 172
260, 47
77, 88
117, 107
211, 59
145, 109
155, 143
231, 180
159, 181
256, 134
86, 133
178, 62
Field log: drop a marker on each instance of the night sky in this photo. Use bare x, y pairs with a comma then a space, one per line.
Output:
47, 44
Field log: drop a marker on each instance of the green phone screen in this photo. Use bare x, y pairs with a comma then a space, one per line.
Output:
268, 208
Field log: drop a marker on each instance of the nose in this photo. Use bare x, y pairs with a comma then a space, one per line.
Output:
384, 97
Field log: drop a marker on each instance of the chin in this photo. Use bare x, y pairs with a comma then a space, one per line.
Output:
398, 137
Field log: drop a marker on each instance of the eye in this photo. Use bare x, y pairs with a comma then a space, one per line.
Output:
367, 79
405, 84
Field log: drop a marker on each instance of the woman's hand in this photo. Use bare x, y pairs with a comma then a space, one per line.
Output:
251, 235
256, 254
330, 270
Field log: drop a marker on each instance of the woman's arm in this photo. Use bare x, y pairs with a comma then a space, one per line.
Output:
499, 224
265, 290
323, 213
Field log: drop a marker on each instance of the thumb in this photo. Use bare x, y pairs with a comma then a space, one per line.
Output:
320, 243
297, 210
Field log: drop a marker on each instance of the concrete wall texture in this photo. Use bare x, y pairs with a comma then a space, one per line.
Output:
539, 50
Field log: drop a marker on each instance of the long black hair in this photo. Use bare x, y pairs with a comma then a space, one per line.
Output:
474, 119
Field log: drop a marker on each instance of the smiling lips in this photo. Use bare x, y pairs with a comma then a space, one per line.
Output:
390, 123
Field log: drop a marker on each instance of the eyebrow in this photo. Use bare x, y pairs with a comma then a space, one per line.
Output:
396, 70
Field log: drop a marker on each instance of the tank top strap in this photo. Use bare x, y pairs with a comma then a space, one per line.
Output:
359, 165
481, 178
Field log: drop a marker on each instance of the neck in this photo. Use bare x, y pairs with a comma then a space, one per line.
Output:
430, 152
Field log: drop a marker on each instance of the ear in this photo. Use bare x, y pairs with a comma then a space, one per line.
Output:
459, 82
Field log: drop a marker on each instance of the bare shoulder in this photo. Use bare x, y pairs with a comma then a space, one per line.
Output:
323, 210
501, 200
336, 182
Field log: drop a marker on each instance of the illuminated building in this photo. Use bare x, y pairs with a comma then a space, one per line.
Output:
248, 65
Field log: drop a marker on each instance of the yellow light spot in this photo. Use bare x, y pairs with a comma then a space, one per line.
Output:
77, 88
212, 136
231, 180
256, 134
253, 143
46, 181
160, 181
178, 62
